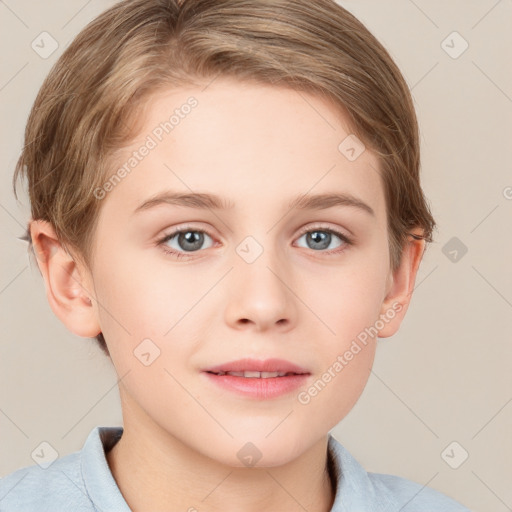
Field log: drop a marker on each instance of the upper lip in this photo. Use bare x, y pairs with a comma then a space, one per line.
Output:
255, 365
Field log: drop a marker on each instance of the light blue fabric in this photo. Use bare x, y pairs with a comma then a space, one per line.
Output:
82, 482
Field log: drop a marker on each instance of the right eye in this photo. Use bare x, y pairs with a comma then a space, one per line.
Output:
184, 240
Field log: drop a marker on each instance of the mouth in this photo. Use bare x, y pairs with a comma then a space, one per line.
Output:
255, 368
256, 375
258, 379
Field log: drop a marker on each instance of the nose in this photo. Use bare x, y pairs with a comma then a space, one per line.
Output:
260, 295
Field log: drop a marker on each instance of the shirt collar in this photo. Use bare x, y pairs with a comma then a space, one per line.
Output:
354, 489
98, 479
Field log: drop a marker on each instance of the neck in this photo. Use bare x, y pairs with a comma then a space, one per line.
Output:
160, 473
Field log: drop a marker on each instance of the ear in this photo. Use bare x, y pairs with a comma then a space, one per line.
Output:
400, 286
67, 282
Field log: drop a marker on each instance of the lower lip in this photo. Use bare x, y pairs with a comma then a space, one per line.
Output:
259, 388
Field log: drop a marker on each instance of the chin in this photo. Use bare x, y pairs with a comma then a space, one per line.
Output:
258, 451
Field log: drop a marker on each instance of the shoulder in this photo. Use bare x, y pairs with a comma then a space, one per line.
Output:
58, 487
357, 489
73, 482
409, 496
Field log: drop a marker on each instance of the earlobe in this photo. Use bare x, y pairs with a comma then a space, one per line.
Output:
67, 288
400, 287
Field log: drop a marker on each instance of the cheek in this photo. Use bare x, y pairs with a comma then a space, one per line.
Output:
345, 364
338, 384
146, 309
139, 297
348, 304
128, 313
346, 300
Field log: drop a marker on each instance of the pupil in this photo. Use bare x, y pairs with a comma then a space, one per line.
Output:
320, 239
191, 237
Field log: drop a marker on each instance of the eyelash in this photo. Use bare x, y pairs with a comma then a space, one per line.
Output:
178, 255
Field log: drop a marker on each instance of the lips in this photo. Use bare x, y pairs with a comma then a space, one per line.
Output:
259, 380
256, 375
253, 368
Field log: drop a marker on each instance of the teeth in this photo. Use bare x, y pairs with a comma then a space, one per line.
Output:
255, 375
266, 375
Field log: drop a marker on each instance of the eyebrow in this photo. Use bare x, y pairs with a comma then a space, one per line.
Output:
214, 202
324, 201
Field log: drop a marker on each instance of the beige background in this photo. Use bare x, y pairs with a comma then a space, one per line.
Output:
446, 376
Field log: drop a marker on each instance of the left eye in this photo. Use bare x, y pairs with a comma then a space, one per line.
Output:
320, 239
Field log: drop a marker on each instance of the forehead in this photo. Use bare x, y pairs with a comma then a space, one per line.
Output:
245, 142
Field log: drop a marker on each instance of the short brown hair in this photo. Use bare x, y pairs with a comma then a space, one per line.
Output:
85, 109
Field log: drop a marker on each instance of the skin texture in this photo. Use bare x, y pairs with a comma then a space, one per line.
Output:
257, 146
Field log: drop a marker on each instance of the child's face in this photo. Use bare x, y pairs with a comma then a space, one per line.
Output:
254, 286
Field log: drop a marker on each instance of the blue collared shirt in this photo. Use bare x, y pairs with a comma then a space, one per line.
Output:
82, 482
